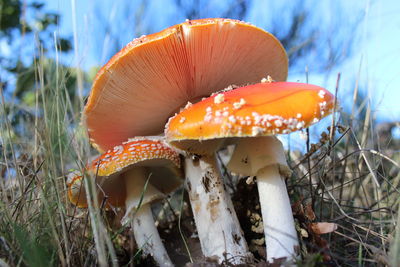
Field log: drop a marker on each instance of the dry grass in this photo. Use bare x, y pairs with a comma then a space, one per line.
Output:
349, 177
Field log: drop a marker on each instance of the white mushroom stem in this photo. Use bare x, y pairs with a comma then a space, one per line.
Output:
141, 218
264, 157
279, 230
215, 217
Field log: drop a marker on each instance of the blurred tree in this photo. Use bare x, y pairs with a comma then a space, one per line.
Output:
310, 38
235, 9
26, 32
39, 91
27, 37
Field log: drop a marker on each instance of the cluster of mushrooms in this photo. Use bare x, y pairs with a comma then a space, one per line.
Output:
165, 105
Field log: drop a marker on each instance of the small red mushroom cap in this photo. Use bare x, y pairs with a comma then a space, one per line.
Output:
256, 110
157, 157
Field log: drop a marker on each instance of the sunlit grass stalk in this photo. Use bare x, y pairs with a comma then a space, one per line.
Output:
76, 51
395, 246
100, 234
60, 127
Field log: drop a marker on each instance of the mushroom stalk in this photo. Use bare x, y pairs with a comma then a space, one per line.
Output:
264, 157
215, 217
279, 229
147, 237
138, 212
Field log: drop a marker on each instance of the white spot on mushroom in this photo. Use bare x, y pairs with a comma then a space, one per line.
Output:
238, 105
291, 123
300, 125
255, 131
257, 118
188, 105
315, 120
182, 120
267, 80
208, 118
218, 99
278, 123
118, 150
298, 115
321, 93
229, 88
322, 105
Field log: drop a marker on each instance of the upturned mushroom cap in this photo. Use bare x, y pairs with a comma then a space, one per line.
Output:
154, 76
161, 163
256, 110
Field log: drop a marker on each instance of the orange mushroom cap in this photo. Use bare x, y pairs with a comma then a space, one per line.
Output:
161, 161
154, 76
254, 110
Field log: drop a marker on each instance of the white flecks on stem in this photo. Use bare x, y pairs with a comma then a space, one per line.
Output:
216, 221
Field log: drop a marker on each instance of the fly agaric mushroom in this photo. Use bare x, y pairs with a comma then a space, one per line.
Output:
155, 76
121, 175
249, 117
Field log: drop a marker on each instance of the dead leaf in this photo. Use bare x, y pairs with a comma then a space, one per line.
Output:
310, 213
323, 227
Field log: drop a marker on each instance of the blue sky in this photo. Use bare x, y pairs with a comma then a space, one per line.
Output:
376, 43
